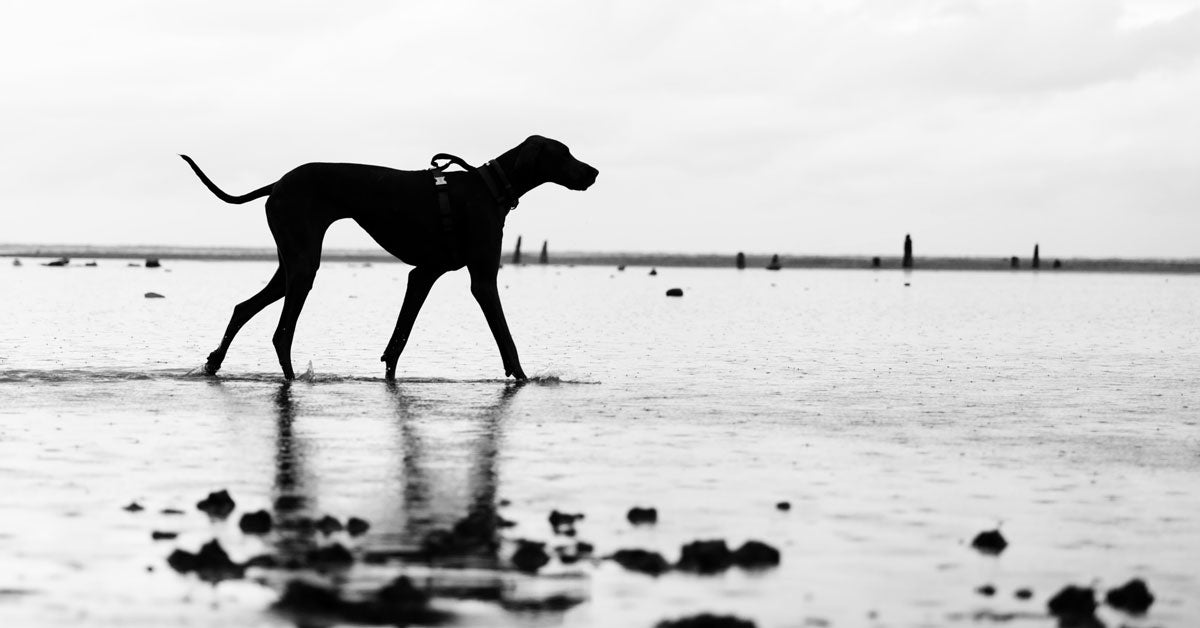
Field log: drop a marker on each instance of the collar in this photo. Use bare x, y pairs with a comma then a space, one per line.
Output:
498, 184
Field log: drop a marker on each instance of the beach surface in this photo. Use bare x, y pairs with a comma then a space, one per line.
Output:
897, 413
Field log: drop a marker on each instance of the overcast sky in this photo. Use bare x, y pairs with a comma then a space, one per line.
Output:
795, 127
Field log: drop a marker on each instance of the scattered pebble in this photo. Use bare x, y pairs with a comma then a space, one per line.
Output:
154, 295
563, 522
675, 292
639, 516
1133, 597
621, 267
706, 620
161, 536
328, 525
783, 506
642, 561
755, 555
990, 542
152, 263
217, 505
653, 272
1073, 600
133, 507
705, 557
255, 522
211, 563
285, 503
356, 526
1023, 594
530, 556
986, 590
171, 511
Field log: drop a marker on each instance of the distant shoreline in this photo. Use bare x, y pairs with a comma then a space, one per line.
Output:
709, 260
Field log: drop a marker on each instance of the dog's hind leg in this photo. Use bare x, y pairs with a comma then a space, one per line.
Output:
300, 256
243, 312
420, 281
483, 287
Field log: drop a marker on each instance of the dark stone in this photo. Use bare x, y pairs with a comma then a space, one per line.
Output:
1133, 597
62, 261
475, 532
569, 554
705, 557
152, 263
154, 295
217, 505
675, 292
16, 262
211, 563
255, 522
741, 261
133, 507
530, 556
986, 590
990, 542
653, 272
640, 516
91, 264
642, 561
399, 603
583, 547
756, 555
328, 525
356, 526
171, 511
163, 536
1023, 594
621, 267
1073, 601
563, 522
706, 620
783, 506
774, 265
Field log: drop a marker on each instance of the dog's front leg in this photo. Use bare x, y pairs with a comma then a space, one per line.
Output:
420, 281
483, 287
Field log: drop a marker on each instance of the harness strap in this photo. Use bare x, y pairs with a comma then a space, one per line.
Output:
504, 197
450, 159
443, 194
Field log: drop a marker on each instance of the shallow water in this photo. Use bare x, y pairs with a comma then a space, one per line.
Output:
897, 420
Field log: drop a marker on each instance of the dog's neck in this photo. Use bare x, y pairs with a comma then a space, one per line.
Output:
521, 180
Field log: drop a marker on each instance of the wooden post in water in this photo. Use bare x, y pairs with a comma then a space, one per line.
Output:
544, 258
1014, 262
908, 258
741, 260
517, 252
1037, 262
774, 265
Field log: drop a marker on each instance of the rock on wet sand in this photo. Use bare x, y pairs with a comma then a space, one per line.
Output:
356, 526
328, 525
530, 556
211, 563
642, 516
398, 603
640, 560
755, 555
706, 620
563, 522
989, 542
255, 522
705, 557
1072, 601
1133, 597
218, 504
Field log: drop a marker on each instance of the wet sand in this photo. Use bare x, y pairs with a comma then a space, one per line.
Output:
897, 422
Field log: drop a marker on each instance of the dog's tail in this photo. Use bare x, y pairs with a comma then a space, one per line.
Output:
212, 187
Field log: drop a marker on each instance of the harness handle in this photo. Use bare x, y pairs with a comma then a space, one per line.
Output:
450, 159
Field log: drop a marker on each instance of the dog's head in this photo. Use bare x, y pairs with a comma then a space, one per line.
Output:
550, 160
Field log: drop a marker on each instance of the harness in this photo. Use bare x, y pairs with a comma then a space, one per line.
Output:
493, 177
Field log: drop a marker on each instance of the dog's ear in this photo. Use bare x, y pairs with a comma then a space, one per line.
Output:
531, 149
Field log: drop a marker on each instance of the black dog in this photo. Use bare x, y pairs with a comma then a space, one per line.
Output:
434, 220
